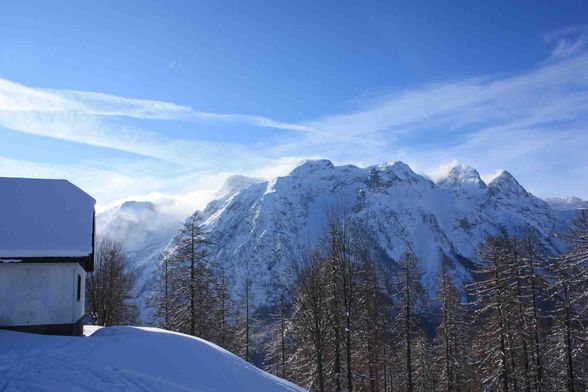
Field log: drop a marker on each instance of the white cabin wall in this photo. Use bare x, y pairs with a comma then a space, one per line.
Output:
40, 293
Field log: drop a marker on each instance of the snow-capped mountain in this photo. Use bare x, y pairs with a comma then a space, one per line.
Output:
566, 209
260, 230
146, 228
566, 203
260, 227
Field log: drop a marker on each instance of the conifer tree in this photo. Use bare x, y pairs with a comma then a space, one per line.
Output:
373, 323
410, 302
186, 287
493, 342
453, 338
534, 267
343, 282
245, 321
225, 309
310, 322
279, 345
424, 377
159, 299
567, 341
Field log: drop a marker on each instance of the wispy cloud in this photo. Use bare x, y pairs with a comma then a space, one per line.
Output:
103, 184
90, 118
17, 98
180, 192
533, 123
567, 41
454, 105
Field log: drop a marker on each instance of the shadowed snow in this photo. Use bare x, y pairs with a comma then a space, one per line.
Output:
126, 359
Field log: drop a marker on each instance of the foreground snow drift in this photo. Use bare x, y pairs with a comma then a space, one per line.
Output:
126, 359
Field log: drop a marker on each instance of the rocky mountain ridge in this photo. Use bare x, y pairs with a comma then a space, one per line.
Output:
261, 227
260, 230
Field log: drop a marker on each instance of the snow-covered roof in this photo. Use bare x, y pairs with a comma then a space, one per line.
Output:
44, 218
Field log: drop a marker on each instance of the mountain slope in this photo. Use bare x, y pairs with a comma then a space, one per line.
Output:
566, 210
145, 229
126, 359
260, 230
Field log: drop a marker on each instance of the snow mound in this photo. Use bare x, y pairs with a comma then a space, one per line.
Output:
126, 359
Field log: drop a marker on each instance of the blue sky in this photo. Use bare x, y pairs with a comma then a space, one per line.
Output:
157, 99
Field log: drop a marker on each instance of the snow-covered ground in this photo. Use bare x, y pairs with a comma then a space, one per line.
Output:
126, 359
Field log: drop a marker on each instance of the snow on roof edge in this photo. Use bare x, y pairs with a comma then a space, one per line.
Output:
50, 179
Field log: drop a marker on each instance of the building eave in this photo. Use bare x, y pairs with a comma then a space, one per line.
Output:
86, 262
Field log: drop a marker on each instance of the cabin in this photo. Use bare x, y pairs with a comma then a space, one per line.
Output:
46, 248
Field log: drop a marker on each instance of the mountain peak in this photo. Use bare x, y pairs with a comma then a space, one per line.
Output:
137, 206
505, 175
312, 165
236, 183
397, 167
505, 183
504, 178
463, 175
398, 170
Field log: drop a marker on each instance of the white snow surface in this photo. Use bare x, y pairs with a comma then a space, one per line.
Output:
44, 218
126, 359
